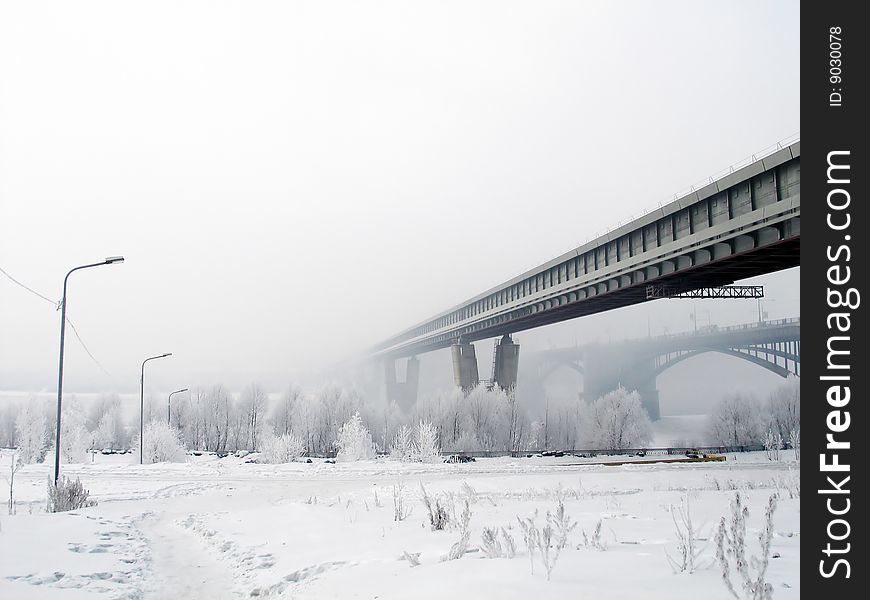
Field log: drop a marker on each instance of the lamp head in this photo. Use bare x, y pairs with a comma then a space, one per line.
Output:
111, 260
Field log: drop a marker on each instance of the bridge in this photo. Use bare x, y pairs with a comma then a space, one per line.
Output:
743, 224
635, 364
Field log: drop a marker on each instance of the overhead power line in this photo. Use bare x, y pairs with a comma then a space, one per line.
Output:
56, 305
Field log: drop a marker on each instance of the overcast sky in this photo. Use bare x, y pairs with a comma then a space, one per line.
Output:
291, 182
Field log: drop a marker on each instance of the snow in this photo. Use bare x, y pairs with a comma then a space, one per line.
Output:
227, 528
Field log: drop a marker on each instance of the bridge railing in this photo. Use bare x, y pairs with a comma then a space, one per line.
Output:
730, 328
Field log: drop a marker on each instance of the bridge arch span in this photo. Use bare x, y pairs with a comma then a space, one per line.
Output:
756, 360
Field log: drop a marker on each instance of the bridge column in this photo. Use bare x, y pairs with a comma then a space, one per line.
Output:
403, 393
464, 366
506, 363
649, 398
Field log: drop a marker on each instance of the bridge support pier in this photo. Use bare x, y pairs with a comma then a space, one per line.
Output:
403, 393
506, 363
464, 366
649, 398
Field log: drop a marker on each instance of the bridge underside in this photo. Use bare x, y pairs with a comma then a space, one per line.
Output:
620, 293
744, 224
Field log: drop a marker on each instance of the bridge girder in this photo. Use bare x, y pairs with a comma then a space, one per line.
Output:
743, 225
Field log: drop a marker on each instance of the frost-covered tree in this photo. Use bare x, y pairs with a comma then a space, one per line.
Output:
30, 433
784, 407
75, 439
617, 421
161, 444
426, 448
354, 441
772, 444
279, 449
105, 434
487, 418
402, 446
794, 440
737, 421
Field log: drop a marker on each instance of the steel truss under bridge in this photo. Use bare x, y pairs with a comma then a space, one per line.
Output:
725, 291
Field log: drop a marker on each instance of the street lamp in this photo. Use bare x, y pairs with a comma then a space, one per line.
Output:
142, 401
109, 261
169, 404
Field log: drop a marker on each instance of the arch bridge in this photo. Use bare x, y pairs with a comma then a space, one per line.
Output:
635, 364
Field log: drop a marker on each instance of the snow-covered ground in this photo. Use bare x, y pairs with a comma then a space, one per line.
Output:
223, 528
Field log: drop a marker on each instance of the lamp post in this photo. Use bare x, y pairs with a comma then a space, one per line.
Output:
142, 401
109, 261
169, 404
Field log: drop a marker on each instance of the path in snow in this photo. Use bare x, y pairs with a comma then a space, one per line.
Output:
181, 563
181, 567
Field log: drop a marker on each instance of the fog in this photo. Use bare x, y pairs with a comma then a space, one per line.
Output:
291, 183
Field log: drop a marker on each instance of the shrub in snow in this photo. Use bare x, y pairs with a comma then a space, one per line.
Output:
549, 540
354, 441
687, 538
772, 444
279, 449
617, 421
510, 545
461, 546
549, 547
161, 444
402, 447
594, 539
67, 495
561, 523
731, 548
490, 544
400, 511
30, 433
791, 483
531, 537
495, 546
439, 517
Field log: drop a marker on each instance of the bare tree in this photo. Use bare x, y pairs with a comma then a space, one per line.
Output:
255, 404
287, 407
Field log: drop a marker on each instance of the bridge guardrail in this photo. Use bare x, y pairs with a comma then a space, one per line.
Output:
741, 327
